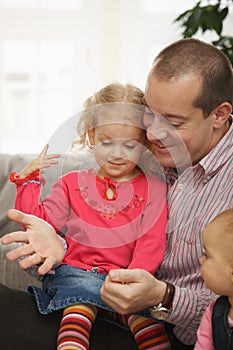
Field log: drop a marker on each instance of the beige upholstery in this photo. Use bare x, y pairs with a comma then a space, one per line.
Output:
10, 273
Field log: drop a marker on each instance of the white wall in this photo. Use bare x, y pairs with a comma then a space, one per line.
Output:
55, 53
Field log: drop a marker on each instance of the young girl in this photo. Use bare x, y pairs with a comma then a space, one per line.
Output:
113, 216
216, 328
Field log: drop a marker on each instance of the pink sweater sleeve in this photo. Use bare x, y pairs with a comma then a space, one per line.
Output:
150, 246
204, 333
54, 208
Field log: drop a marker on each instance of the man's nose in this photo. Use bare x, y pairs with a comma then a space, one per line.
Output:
157, 130
157, 126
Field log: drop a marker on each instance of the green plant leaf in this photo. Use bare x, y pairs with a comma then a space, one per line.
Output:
225, 44
209, 17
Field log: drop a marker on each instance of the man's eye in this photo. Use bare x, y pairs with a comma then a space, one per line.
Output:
176, 125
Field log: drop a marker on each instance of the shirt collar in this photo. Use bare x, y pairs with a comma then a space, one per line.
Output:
218, 156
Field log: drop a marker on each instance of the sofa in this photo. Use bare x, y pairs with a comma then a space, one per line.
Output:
10, 272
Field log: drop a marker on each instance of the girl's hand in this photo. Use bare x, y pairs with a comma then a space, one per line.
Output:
42, 161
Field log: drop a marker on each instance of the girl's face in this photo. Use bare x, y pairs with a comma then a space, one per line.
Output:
117, 150
216, 265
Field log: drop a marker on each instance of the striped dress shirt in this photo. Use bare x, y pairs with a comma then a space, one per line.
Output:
195, 197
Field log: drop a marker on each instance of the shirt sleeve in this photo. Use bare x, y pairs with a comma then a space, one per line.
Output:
54, 208
150, 246
188, 308
204, 333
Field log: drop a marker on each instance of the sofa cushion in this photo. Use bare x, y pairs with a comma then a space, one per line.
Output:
10, 273
9, 163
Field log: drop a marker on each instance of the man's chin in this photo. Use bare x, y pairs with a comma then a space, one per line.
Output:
165, 161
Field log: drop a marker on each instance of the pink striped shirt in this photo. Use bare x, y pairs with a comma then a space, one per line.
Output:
194, 199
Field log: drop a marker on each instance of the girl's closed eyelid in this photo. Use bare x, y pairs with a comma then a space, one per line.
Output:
130, 146
106, 142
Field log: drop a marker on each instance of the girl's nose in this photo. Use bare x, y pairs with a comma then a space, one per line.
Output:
116, 151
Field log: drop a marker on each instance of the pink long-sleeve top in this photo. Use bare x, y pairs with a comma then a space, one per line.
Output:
127, 231
205, 333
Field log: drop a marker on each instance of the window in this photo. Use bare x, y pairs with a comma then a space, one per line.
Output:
42, 4
56, 53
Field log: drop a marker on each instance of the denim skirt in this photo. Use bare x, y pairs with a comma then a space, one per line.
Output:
69, 285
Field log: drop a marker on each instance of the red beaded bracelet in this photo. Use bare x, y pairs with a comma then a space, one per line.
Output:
35, 175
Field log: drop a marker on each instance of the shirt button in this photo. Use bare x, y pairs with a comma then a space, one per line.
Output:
207, 178
181, 186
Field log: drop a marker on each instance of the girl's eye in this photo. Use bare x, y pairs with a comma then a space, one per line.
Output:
106, 143
130, 145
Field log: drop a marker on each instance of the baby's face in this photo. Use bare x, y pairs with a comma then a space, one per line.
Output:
216, 267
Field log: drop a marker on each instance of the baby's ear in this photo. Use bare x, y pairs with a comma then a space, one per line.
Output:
232, 272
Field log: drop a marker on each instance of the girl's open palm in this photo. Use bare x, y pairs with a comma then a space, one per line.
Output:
42, 161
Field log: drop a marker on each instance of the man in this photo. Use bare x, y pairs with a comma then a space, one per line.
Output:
189, 89
190, 85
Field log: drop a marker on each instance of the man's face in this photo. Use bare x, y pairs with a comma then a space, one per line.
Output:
180, 134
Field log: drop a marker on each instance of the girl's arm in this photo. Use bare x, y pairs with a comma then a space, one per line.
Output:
150, 245
28, 184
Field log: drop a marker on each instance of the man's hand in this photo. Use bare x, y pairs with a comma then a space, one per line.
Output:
41, 243
129, 291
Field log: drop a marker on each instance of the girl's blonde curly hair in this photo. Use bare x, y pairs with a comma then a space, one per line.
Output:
117, 102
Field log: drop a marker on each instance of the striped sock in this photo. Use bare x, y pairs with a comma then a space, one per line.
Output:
75, 327
148, 333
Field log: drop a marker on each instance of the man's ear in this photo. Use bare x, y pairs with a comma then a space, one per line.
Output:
221, 114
